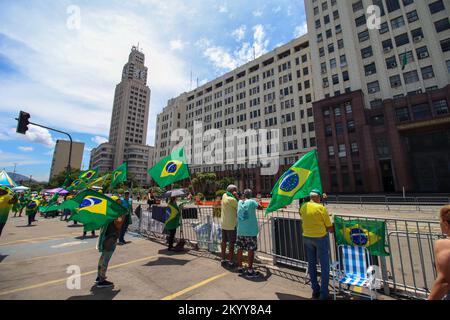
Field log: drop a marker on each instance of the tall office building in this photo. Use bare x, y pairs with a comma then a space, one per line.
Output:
382, 94
272, 92
129, 121
374, 100
61, 157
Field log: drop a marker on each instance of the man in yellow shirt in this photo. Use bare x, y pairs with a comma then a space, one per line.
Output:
228, 223
316, 226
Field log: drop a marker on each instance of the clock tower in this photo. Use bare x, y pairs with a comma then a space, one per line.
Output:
129, 122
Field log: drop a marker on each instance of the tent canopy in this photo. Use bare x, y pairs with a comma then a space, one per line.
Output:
57, 190
20, 189
5, 180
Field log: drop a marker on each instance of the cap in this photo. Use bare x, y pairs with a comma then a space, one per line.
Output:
316, 192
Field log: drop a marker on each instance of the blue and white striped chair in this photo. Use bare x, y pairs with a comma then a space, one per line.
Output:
354, 268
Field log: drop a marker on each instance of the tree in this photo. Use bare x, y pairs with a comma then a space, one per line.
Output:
225, 182
205, 183
58, 180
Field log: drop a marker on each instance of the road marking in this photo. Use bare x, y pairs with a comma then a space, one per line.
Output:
40, 238
68, 244
198, 285
58, 254
49, 283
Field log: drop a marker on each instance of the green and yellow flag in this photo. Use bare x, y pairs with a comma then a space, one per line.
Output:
173, 221
93, 209
171, 169
98, 182
297, 182
363, 233
118, 176
88, 175
77, 185
6, 196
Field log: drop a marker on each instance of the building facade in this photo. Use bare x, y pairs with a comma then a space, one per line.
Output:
373, 99
129, 123
274, 93
382, 95
61, 157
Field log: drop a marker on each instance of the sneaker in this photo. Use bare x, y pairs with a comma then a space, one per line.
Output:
230, 264
252, 274
105, 284
241, 270
121, 243
223, 262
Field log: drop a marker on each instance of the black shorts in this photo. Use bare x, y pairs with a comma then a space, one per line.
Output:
229, 236
247, 243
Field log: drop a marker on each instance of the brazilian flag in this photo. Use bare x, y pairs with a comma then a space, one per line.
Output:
174, 214
297, 182
99, 181
88, 175
118, 176
51, 203
93, 209
362, 233
77, 184
171, 169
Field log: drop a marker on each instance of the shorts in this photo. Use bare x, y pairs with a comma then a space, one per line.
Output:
229, 236
247, 243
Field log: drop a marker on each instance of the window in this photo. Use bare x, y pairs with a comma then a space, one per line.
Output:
373, 87
328, 131
370, 69
409, 57
340, 43
397, 22
440, 107
421, 111
384, 27
445, 45
343, 60
363, 36
392, 5
342, 151
367, 52
337, 112
395, 81
332, 64
377, 120
417, 34
326, 19
436, 7
329, 33
411, 77
360, 21
427, 72
335, 15
402, 39
387, 45
348, 108
345, 76
442, 25
330, 48
412, 16
354, 148
402, 114
330, 151
351, 126
357, 6
391, 63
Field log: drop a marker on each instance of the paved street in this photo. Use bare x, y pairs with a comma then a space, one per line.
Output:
34, 261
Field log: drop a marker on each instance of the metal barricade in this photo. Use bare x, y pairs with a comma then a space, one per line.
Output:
408, 271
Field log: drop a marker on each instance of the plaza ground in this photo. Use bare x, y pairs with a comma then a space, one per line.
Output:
34, 262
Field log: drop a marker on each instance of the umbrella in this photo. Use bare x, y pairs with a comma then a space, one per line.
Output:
57, 190
5, 180
20, 189
175, 193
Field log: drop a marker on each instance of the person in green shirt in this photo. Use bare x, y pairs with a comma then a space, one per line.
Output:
32, 209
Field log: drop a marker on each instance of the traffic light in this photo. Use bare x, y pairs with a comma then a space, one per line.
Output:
23, 122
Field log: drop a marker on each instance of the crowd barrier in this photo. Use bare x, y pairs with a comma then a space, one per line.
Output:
409, 271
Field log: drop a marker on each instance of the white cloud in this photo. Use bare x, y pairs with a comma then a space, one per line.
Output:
277, 9
177, 44
223, 60
99, 140
25, 149
223, 8
239, 33
258, 12
301, 30
8, 159
34, 134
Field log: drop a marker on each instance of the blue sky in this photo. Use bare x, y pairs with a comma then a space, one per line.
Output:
65, 76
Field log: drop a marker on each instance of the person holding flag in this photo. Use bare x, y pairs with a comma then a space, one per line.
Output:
6, 203
106, 246
31, 209
171, 169
173, 222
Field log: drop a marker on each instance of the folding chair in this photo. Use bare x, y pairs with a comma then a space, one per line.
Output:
354, 268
